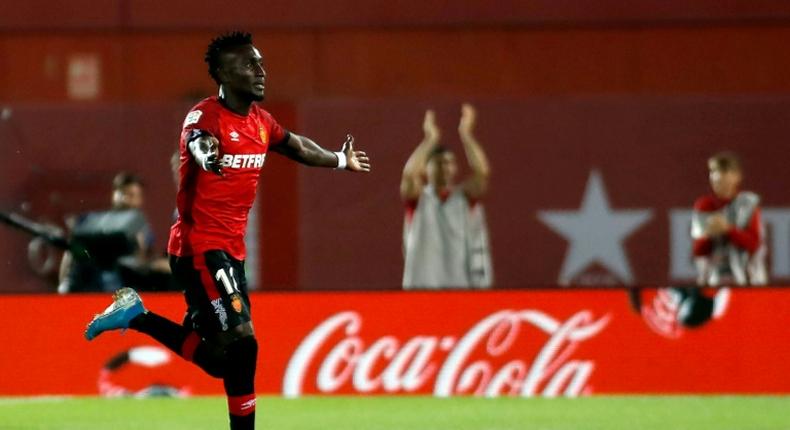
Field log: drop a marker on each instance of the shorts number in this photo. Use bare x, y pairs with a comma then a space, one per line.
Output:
228, 281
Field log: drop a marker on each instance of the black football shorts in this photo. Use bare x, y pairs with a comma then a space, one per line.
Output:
215, 289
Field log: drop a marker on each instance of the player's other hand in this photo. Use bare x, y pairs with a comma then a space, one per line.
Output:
356, 161
468, 119
430, 128
207, 154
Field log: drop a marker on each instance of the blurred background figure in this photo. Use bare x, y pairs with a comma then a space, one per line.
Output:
114, 248
445, 237
727, 229
127, 192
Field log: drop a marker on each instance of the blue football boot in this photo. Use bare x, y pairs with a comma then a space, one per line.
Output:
126, 304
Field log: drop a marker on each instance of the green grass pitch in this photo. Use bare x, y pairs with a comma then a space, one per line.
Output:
404, 413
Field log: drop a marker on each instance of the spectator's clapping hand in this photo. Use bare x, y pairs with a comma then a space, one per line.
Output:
430, 128
468, 119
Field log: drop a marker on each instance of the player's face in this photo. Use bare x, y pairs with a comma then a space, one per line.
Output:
442, 169
724, 183
244, 73
128, 197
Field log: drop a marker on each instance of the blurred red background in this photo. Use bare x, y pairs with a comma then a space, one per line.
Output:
641, 93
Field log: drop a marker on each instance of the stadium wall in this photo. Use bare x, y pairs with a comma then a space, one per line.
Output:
662, 84
639, 156
158, 61
183, 14
537, 343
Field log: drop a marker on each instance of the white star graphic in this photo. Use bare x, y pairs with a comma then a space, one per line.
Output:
595, 232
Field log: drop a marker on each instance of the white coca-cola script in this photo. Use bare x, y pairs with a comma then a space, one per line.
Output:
472, 363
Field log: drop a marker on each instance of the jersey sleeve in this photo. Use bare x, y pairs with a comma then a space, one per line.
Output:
277, 134
201, 117
747, 238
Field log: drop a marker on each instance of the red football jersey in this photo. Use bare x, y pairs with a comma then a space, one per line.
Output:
212, 209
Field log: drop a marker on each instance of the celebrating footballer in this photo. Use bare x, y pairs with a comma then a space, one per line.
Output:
224, 143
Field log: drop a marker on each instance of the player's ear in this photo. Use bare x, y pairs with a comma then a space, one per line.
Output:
222, 74
222, 69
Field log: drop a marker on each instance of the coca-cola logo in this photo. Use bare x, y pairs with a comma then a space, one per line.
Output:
491, 359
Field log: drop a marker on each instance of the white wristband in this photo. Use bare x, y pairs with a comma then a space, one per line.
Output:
342, 162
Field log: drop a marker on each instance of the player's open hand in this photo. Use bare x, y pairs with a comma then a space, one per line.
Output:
356, 161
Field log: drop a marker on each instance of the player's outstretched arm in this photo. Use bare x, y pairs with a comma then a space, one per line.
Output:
477, 184
305, 151
412, 179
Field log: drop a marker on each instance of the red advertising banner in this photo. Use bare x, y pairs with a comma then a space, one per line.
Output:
515, 343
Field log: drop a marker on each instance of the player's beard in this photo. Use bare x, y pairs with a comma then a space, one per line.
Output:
257, 97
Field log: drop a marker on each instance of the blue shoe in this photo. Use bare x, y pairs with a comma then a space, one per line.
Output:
126, 305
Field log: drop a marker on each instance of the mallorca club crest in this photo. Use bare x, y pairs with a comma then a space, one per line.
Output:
235, 302
264, 135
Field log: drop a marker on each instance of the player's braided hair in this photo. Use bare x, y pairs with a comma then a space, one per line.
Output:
221, 43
